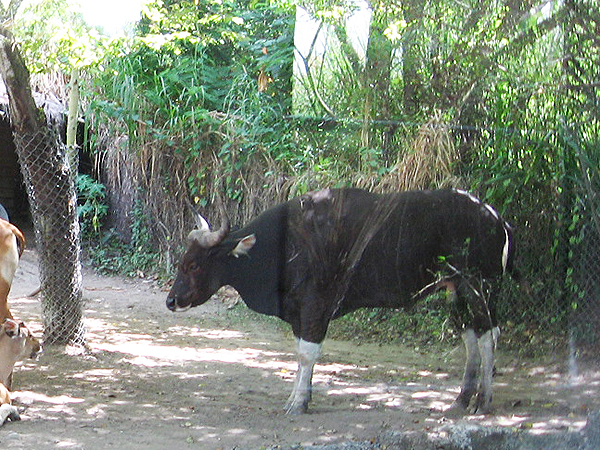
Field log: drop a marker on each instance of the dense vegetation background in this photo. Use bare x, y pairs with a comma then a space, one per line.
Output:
202, 101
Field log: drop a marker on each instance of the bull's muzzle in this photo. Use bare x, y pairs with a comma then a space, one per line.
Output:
174, 305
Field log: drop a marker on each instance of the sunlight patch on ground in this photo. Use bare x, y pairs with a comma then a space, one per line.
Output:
59, 404
149, 354
67, 443
538, 426
207, 334
97, 374
220, 334
29, 396
435, 398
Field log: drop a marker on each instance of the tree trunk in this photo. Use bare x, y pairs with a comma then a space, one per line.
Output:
72, 121
376, 82
51, 192
413, 14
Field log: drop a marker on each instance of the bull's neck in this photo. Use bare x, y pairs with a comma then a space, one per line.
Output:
256, 276
240, 275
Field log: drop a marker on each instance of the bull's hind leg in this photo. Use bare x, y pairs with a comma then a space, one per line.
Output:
487, 346
473, 360
308, 353
471, 375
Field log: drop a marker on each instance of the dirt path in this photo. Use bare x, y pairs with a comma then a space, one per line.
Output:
215, 378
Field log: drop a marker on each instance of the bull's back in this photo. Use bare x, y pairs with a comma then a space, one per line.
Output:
424, 232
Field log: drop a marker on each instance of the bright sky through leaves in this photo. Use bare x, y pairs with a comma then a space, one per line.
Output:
112, 16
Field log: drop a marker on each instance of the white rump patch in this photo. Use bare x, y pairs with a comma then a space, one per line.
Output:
505, 250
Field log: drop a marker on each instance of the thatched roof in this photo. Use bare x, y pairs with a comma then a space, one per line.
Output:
53, 108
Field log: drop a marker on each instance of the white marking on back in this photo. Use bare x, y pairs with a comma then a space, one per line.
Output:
468, 195
492, 211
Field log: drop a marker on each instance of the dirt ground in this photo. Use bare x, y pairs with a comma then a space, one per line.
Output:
217, 377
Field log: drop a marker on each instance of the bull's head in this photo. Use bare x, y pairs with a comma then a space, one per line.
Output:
195, 282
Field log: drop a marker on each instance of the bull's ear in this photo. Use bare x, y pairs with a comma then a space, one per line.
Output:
244, 246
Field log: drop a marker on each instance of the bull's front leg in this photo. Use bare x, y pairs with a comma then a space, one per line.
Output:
308, 353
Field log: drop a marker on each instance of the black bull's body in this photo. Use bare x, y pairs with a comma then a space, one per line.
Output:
322, 255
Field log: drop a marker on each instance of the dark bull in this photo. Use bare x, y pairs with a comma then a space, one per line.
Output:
327, 253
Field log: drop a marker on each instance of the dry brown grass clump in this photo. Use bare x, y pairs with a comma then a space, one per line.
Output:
428, 164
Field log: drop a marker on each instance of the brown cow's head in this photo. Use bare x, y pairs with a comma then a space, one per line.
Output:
16, 343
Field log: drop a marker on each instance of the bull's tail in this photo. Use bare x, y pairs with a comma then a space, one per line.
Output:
508, 254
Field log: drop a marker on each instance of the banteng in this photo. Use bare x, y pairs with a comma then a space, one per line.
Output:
327, 253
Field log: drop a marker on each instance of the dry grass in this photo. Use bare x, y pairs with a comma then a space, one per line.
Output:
153, 174
156, 176
428, 164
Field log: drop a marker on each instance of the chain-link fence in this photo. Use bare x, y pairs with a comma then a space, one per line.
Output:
51, 190
556, 224
558, 298
583, 275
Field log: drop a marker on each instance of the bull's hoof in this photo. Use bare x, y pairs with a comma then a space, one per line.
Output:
456, 410
483, 405
296, 408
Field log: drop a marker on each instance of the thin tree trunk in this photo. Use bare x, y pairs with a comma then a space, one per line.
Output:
376, 82
72, 121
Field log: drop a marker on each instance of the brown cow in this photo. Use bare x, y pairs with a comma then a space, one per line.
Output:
16, 343
12, 244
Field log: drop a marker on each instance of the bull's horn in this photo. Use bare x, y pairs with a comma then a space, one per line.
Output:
203, 235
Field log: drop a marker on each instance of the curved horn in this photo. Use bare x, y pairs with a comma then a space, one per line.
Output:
203, 234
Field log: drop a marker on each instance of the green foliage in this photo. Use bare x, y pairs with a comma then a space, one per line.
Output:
52, 37
425, 324
92, 206
136, 257
189, 61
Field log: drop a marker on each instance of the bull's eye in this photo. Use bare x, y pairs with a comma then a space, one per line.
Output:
193, 267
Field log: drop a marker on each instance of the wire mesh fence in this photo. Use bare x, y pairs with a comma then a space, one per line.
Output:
583, 277
51, 191
558, 256
556, 230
